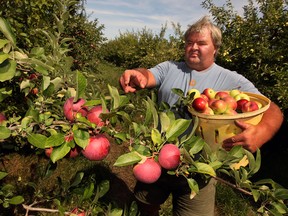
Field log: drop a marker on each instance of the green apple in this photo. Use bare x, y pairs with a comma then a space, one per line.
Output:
260, 105
242, 96
196, 93
234, 92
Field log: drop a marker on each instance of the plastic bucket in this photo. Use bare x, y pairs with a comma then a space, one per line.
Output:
216, 128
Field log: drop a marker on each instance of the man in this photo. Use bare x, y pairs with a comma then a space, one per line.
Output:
202, 41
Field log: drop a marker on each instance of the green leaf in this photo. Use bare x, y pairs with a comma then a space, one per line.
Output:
178, 127
103, 187
115, 96
60, 152
194, 145
38, 140
41, 70
3, 42
204, 168
81, 84
81, 138
3, 175
128, 159
116, 212
7, 70
55, 140
280, 207
156, 136
88, 192
77, 179
4, 133
164, 121
256, 194
45, 82
193, 185
3, 57
152, 112
281, 193
37, 51
50, 90
6, 29
16, 200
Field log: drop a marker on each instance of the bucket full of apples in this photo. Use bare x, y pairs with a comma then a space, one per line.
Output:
218, 110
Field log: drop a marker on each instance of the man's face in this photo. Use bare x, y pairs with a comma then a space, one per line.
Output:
199, 50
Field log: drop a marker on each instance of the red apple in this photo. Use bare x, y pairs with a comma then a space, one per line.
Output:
211, 101
34, 91
2, 117
74, 152
209, 92
221, 94
199, 104
204, 97
48, 151
94, 116
169, 156
148, 171
240, 104
219, 106
98, 148
230, 112
231, 102
249, 106
78, 212
71, 108
208, 111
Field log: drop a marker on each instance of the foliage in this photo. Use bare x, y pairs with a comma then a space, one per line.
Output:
7, 196
27, 17
160, 126
143, 48
37, 81
255, 45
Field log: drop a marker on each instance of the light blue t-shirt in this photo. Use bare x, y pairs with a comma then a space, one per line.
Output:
171, 75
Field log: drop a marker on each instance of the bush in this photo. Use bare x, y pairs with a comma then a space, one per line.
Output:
143, 48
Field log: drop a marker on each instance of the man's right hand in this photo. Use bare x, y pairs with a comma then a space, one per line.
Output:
131, 80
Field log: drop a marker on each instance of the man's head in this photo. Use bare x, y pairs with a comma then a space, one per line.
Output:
201, 24
202, 41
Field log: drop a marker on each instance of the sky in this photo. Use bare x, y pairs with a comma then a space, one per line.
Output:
134, 15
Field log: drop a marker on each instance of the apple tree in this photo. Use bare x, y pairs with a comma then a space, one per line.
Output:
255, 44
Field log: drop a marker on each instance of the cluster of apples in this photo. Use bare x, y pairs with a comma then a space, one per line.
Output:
149, 170
99, 145
231, 102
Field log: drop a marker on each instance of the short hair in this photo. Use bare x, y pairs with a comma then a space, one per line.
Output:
202, 23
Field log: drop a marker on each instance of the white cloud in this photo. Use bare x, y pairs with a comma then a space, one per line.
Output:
127, 15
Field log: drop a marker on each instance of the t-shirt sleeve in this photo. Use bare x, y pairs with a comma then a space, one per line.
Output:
160, 71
